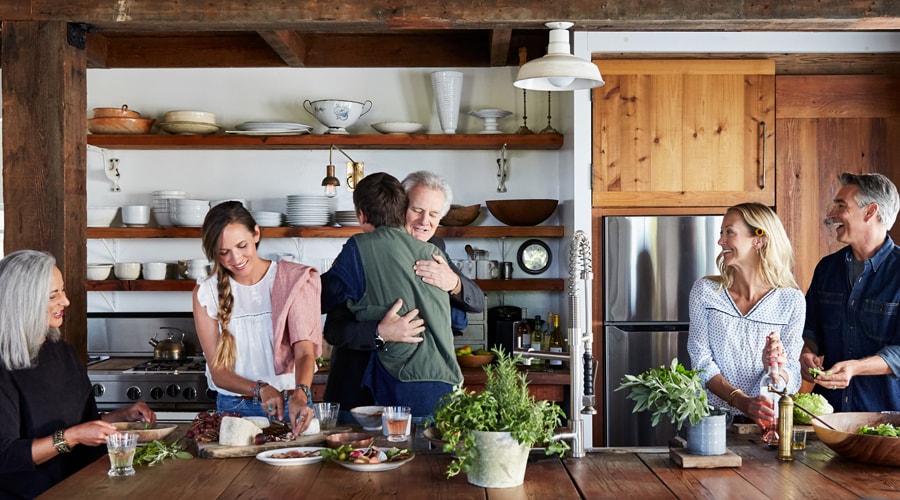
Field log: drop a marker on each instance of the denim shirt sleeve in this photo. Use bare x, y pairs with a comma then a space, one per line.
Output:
345, 280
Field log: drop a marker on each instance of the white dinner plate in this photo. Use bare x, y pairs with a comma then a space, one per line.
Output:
283, 126
266, 456
267, 132
379, 467
398, 127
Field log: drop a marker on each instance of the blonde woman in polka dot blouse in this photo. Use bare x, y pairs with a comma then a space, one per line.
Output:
751, 312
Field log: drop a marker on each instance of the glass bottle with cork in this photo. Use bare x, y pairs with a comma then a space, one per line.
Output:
537, 339
523, 332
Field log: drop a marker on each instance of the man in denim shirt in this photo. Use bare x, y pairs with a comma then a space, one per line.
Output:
852, 324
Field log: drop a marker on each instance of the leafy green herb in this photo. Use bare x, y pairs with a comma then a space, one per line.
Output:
815, 372
155, 452
505, 405
886, 430
672, 391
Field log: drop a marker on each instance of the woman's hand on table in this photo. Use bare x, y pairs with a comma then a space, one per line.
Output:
91, 433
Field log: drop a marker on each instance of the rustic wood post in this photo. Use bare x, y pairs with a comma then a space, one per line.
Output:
44, 152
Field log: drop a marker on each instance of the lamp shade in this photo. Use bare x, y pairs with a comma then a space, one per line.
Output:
558, 70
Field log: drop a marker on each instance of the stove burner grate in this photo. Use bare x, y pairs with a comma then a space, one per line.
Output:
185, 365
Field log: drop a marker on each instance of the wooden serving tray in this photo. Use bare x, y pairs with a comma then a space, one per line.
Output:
216, 450
687, 460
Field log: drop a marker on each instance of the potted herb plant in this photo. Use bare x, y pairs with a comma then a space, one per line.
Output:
676, 393
491, 432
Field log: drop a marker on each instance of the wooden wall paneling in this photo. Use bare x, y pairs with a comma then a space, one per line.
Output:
44, 154
599, 347
664, 141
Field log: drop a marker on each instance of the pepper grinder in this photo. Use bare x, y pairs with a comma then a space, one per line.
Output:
785, 425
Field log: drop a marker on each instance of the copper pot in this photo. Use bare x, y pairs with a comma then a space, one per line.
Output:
169, 348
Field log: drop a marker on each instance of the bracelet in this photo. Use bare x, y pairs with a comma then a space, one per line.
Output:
255, 388
59, 442
307, 391
733, 395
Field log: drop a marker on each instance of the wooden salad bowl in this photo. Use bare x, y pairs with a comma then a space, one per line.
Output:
846, 440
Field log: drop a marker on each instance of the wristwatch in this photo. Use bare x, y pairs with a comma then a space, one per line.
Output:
379, 341
59, 442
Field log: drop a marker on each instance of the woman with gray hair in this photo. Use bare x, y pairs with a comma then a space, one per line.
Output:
51, 424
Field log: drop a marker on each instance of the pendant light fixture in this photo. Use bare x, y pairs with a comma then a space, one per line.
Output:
559, 69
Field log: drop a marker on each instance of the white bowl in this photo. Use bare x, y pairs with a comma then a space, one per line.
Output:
127, 270
101, 216
337, 114
98, 271
136, 215
369, 417
190, 128
190, 116
155, 270
398, 127
189, 218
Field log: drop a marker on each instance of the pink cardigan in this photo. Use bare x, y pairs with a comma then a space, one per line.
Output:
296, 312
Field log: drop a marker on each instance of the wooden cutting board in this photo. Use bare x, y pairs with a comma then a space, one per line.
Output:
216, 450
689, 461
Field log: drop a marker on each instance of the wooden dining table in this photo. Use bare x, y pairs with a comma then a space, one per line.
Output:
647, 473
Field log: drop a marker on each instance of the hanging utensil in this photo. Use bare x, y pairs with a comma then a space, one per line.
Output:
502, 170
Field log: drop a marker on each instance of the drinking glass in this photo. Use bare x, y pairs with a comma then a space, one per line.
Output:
121, 448
799, 442
327, 413
398, 419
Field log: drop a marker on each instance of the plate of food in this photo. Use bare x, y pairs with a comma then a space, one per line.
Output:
146, 431
371, 459
291, 456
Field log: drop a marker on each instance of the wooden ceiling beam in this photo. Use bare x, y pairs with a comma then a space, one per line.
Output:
364, 16
289, 46
500, 46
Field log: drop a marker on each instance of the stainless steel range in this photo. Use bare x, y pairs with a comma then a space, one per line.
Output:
123, 370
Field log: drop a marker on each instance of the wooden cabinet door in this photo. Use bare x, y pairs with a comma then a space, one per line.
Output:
684, 133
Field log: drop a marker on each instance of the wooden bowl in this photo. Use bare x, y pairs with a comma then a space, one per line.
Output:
475, 360
120, 125
354, 439
846, 441
122, 112
146, 432
522, 212
460, 215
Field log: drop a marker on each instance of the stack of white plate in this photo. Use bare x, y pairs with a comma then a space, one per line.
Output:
161, 208
270, 128
189, 213
304, 210
346, 217
267, 219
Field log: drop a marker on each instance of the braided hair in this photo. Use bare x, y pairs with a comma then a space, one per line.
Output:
217, 219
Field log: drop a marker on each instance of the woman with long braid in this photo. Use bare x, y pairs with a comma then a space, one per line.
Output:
259, 322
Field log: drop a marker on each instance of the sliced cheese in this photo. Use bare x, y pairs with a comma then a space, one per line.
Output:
236, 431
312, 429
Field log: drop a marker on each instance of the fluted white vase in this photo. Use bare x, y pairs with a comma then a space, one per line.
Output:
447, 87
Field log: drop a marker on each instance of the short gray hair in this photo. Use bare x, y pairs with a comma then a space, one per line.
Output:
433, 181
877, 189
24, 299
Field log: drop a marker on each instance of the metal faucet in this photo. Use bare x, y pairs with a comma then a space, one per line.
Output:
581, 344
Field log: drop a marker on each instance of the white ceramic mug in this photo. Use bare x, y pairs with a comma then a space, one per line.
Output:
155, 270
487, 269
466, 267
136, 215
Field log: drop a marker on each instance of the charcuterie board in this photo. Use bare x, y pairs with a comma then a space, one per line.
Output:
216, 450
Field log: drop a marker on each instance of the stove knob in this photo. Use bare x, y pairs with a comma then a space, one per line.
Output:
156, 393
133, 393
98, 390
190, 393
172, 390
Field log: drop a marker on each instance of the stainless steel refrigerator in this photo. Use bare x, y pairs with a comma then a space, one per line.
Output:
649, 266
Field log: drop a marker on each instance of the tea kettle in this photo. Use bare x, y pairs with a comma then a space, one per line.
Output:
169, 348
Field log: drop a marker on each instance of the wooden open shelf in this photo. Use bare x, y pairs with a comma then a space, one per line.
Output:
329, 232
324, 141
553, 285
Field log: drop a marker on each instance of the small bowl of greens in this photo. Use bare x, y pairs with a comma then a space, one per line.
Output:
870, 437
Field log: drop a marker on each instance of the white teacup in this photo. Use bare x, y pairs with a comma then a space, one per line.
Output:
136, 215
487, 269
155, 270
127, 270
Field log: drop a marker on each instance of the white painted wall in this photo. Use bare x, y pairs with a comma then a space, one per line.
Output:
266, 177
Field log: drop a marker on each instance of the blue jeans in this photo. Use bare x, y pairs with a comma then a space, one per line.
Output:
421, 397
244, 407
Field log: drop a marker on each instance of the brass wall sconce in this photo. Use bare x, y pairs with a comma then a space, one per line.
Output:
355, 173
